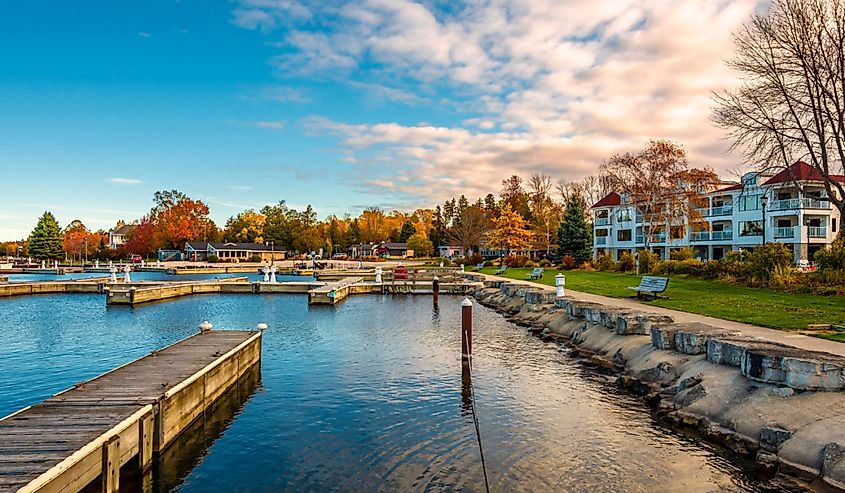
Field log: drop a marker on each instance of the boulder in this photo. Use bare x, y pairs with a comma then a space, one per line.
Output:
796, 368
772, 437
691, 338
537, 296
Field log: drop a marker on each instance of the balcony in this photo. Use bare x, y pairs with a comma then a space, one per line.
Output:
601, 240
784, 233
703, 211
700, 236
722, 235
796, 203
602, 221
640, 239
722, 210
817, 231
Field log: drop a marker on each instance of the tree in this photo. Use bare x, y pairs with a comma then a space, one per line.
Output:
469, 229
45, 241
78, 241
514, 195
490, 205
178, 219
421, 245
407, 231
141, 241
545, 212
509, 231
792, 103
575, 235
277, 224
247, 226
661, 187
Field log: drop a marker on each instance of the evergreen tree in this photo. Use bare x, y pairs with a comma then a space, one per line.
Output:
407, 231
575, 236
45, 241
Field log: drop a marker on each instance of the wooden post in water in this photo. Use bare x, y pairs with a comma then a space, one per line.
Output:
466, 331
435, 291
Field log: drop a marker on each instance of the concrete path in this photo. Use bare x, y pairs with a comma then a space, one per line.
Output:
783, 337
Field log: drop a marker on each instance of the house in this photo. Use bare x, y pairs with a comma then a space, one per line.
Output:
231, 252
735, 216
118, 235
380, 249
450, 251
362, 250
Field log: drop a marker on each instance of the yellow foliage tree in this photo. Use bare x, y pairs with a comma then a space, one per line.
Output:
509, 231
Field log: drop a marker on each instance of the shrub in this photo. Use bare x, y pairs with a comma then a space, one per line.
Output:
685, 253
488, 263
545, 263
568, 262
626, 262
213, 259
782, 277
516, 260
604, 262
665, 268
833, 257
689, 266
765, 259
530, 264
648, 261
255, 258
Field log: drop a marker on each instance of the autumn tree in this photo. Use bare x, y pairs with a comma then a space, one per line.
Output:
421, 245
545, 212
178, 219
791, 104
77, 240
45, 241
660, 186
469, 229
514, 195
247, 226
509, 231
141, 240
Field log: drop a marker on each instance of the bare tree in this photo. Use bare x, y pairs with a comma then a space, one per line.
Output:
470, 230
792, 103
590, 188
659, 184
545, 212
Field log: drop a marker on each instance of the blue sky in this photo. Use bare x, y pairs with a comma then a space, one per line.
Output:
341, 105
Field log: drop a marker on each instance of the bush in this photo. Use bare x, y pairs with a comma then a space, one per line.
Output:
516, 260
568, 262
488, 263
648, 261
530, 264
685, 253
604, 262
833, 257
665, 268
765, 259
626, 262
545, 263
255, 258
212, 259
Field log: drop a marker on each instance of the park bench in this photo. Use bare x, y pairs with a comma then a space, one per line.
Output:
651, 285
502, 270
537, 273
479, 266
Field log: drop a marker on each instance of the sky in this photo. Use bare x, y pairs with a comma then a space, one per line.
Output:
342, 105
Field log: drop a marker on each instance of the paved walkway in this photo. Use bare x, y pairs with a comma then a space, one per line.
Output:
783, 337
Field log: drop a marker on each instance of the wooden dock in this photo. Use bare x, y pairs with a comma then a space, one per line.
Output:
93, 285
134, 295
332, 292
122, 417
207, 270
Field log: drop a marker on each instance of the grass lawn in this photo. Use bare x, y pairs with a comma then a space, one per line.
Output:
757, 306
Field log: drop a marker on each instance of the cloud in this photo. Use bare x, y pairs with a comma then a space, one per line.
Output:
239, 187
280, 94
125, 181
144, 34
266, 124
539, 86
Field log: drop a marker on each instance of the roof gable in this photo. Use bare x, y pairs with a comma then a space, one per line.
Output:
610, 199
800, 171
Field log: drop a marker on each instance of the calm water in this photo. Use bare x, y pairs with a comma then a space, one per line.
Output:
367, 396
142, 276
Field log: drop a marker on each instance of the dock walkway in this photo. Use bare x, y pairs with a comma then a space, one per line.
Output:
133, 411
332, 292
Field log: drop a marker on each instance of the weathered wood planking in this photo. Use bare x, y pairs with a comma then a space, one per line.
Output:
93, 285
135, 295
128, 413
332, 292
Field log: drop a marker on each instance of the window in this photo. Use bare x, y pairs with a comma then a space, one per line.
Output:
750, 228
833, 224
623, 215
750, 202
601, 232
623, 235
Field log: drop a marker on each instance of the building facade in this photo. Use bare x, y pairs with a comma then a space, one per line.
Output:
790, 207
118, 235
197, 251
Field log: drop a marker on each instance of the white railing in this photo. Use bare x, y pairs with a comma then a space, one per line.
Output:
788, 232
602, 221
700, 235
601, 240
799, 203
817, 231
722, 235
785, 204
702, 211
722, 210
815, 204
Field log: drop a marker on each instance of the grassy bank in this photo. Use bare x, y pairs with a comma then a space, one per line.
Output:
758, 306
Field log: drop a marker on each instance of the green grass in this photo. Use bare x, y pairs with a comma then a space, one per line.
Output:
757, 306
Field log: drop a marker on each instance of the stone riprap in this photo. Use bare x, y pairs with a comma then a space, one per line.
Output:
777, 403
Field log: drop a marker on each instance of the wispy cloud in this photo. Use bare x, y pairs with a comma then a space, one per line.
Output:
239, 187
144, 34
270, 124
279, 94
125, 181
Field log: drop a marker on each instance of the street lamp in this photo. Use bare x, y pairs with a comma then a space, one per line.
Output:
272, 245
764, 200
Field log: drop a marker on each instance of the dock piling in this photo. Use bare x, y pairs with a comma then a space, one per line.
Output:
435, 291
466, 331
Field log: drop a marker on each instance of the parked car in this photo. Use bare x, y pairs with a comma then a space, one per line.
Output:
136, 259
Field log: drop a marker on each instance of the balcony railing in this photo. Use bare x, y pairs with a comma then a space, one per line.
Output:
722, 210
602, 221
815, 204
799, 203
703, 211
788, 232
722, 235
640, 239
700, 235
817, 231
601, 240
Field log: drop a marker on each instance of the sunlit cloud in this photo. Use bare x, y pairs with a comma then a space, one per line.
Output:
125, 181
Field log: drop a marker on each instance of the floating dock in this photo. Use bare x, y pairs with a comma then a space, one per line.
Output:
122, 417
94, 285
332, 292
135, 295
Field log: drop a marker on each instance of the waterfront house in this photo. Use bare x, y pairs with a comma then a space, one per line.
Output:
450, 251
118, 235
789, 207
231, 252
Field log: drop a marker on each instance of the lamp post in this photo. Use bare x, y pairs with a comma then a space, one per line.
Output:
272, 245
763, 201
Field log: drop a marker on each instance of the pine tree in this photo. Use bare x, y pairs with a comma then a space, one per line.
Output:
45, 241
575, 236
407, 231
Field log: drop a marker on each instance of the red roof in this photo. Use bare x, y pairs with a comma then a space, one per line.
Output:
610, 199
800, 171
730, 188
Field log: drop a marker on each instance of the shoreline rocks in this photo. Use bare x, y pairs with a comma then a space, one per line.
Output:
777, 404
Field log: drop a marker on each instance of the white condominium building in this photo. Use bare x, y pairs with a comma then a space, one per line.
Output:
789, 207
